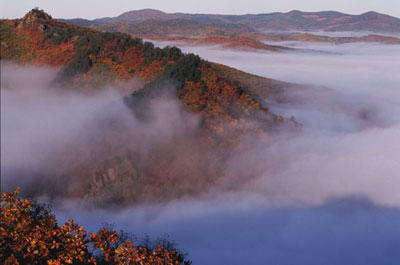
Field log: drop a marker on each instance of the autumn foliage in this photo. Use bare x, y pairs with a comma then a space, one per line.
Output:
29, 234
111, 168
88, 58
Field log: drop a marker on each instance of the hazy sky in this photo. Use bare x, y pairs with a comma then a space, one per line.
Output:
102, 8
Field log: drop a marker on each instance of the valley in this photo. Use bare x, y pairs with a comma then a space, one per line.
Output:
180, 138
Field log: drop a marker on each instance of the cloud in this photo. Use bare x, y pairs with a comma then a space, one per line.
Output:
248, 229
351, 116
328, 195
50, 135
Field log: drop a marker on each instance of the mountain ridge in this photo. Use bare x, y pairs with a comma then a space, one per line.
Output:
292, 20
110, 168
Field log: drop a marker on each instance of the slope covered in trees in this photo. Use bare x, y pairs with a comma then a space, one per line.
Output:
89, 58
111, 164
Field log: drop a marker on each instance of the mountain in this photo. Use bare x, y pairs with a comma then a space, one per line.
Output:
175, 27
291, 21
369, 21
326, 21
248, 32
143, 15
236, 43
227, 102
84, 53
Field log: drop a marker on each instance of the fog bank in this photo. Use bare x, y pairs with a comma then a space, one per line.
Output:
247, 229
351, 118
329, 195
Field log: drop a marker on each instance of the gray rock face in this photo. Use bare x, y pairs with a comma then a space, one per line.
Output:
33, 16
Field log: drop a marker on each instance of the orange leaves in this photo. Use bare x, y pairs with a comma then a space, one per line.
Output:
53, 262
150, 72
29, 234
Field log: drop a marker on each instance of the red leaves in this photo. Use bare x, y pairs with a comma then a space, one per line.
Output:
29, 234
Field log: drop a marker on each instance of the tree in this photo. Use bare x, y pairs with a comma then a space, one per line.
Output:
29, 234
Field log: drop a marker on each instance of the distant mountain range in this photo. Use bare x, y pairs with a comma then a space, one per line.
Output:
249, 32
331, 21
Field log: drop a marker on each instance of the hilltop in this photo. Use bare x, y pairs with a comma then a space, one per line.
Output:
84, 54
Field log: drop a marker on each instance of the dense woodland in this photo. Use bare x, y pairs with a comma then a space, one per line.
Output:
91, 59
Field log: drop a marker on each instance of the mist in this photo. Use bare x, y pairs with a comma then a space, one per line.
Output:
327, 195
50, 135
249, 229
350, 111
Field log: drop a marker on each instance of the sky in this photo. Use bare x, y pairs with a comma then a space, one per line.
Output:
103, 8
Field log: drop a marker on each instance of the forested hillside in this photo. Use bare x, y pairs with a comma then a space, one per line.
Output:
227, 104
90, 58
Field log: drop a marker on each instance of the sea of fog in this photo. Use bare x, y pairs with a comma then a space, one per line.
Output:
337, 200
328, 195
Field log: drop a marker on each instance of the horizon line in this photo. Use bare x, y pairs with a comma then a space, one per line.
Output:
205, 13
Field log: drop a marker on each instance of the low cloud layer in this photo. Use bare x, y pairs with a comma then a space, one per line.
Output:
351, 118
247, 229
328, 195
